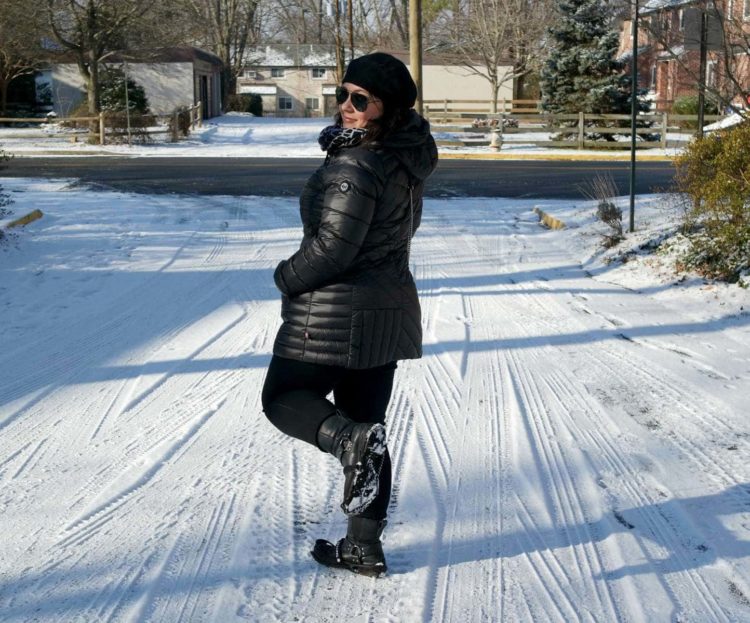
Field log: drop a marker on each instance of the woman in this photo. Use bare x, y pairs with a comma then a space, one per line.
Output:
349, 304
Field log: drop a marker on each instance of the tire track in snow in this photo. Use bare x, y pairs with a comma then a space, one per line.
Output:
644, 507
182, 579
616, 370
133, 480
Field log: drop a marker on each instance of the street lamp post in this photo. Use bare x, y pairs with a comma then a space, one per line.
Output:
633, 114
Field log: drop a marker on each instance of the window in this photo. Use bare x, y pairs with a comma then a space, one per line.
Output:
682, 19
653, 76
319, 72
252, 74
711, 78
312, 103
730, 9
285, 103
746, 10
277, 72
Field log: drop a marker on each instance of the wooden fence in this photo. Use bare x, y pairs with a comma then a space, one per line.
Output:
568, 130
95, 129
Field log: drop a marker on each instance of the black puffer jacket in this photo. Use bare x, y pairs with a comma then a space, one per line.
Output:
348, 297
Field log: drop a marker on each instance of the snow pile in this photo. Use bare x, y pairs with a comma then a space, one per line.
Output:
646, 260
727, 122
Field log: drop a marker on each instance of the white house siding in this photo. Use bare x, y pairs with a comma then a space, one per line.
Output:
450, 82
298, 84
168, 86
68, 89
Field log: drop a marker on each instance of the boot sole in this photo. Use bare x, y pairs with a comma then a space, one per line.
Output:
366, 483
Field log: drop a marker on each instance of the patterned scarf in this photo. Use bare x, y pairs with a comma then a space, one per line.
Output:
335, 137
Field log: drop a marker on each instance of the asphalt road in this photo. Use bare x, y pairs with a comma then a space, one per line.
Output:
286, 176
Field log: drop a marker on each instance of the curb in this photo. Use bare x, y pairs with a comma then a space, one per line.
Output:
572, 157
549, 221
25, 220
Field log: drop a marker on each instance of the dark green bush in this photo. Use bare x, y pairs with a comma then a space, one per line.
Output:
688, 105
112, 94
245, 102
714, 172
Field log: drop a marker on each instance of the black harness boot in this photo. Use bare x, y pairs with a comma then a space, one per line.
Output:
360, 551
359, 447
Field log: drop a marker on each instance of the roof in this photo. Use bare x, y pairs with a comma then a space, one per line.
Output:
177, 54
258, 89
651, 6
445, 58
292, 55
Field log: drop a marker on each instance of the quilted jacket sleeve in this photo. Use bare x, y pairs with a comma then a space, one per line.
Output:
349, 200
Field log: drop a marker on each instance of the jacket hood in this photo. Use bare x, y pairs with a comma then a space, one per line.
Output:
414, 146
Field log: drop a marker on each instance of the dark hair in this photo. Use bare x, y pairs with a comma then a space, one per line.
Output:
378, 129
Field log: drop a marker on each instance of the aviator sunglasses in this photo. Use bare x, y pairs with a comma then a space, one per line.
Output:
359, 100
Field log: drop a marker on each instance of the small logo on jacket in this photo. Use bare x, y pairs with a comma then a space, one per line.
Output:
344, 187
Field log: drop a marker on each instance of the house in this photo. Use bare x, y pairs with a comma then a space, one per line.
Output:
172, 78
669, 49
444, 78
293, 80
299, 80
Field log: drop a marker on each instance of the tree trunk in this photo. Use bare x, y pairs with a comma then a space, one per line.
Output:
92, 84
3, 97
228, 86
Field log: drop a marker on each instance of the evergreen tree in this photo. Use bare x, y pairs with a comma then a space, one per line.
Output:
112, 94
581, 72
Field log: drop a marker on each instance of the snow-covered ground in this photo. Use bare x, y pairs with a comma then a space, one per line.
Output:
574, 445
241, 135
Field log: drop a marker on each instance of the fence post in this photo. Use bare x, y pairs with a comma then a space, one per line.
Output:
175, 126
664, 126
580, 130
101, 128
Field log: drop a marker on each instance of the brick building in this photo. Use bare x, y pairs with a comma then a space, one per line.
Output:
669, 54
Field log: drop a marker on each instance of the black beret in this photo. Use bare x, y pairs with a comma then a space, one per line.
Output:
385, 77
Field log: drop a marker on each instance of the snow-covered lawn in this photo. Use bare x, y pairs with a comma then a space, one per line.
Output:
241, 135
574, 446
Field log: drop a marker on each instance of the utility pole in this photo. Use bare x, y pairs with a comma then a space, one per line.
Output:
633, 114
702, 71
350, 6
415, 48
339, 46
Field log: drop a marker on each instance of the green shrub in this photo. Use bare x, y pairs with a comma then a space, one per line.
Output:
715, 174
112, 94
688, 105
245, 102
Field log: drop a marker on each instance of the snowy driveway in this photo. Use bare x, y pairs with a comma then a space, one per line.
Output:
568, 448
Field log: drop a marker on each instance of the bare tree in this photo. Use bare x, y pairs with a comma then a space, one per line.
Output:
497, 39
228, 27
21, 31
94, 30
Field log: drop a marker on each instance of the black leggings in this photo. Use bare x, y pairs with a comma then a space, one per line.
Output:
294, 400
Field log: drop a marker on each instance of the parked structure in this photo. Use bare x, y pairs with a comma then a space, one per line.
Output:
669, 48
173, 78
299, 80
